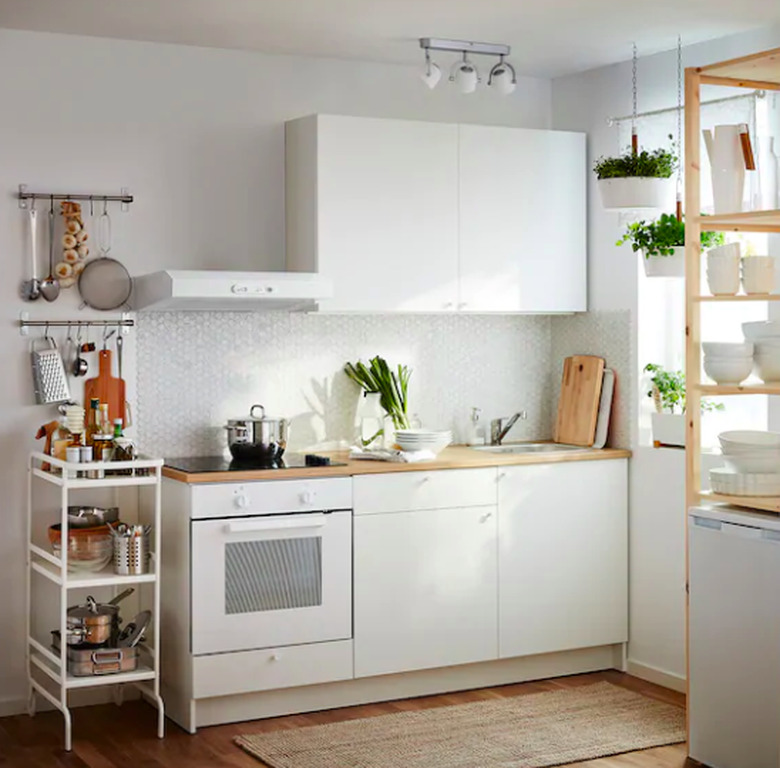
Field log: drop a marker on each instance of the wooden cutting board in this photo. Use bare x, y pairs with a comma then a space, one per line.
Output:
107, 388
578, 406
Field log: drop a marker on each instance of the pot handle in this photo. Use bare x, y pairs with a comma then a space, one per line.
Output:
237, 428
252, 411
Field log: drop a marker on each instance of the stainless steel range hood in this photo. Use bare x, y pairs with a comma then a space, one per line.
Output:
232, 291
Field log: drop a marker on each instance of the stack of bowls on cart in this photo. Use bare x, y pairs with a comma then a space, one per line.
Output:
729, 364
752, 459
765, 336
422, 440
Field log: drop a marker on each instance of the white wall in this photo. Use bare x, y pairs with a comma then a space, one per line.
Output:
584, 102
197, 135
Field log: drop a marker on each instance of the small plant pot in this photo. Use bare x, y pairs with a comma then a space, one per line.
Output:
637, 192
665, 266
668, 429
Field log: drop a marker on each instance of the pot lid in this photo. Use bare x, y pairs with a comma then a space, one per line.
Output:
94, 611
252, 417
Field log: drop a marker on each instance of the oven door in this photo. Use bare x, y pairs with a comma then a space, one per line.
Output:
261, 582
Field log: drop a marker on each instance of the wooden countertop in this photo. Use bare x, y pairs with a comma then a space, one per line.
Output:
454, 457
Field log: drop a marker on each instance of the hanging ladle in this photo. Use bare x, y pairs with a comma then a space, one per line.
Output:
50, 287
80, 365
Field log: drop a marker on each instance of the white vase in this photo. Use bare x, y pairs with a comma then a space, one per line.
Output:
636, 192
370, 420
665, 266
727, 164
668, 429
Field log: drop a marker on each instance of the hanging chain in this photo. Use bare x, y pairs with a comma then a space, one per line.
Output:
634, 138
679, 210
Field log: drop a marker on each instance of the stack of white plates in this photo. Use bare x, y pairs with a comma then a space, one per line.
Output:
765, 336
423, 439
752, 463
728, 363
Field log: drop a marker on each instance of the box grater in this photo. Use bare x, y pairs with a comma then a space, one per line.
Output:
49, 379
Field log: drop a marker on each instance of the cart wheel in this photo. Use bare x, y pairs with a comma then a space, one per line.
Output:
31, 703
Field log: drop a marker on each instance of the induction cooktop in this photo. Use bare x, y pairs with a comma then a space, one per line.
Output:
192, 464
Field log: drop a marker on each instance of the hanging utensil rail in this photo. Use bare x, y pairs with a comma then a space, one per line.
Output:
124, 322
123, 197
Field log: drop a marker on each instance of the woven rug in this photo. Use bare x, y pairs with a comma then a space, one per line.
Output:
528, 731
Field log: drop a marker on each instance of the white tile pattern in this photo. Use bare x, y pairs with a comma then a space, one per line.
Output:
197, 369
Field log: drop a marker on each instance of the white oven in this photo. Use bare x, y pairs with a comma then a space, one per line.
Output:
271, 564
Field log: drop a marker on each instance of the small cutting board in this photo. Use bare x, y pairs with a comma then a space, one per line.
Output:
107, 388
578, 406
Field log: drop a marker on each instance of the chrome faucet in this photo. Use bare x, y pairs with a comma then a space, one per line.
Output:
500, 427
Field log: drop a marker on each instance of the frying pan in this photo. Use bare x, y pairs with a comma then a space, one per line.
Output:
104, 283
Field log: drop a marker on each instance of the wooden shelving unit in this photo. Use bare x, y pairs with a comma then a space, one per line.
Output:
761, 70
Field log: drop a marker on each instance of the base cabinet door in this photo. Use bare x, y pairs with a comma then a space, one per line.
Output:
425, 589
562, 556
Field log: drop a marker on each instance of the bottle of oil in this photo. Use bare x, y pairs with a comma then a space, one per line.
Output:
93, 424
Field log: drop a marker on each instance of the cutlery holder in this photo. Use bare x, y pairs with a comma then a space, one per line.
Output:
131, 554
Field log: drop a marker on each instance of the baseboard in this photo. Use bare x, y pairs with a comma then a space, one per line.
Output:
657, 676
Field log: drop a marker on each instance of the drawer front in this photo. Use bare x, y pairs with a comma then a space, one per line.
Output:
225, 674
269, 496
437, 489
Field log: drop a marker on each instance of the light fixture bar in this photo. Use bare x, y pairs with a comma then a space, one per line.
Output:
442, 44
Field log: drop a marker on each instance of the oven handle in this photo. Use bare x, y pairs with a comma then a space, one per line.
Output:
275, 524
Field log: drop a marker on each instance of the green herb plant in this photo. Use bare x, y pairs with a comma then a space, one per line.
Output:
660, 164
392, 386
662, 236
668, 391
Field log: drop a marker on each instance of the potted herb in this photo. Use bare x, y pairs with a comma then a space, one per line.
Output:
641, 180
391, 385
662, 242
667, 391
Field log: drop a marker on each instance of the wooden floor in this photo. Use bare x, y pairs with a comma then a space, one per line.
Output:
109, 737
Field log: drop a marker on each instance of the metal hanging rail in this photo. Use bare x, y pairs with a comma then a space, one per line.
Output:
124, 323
23, 196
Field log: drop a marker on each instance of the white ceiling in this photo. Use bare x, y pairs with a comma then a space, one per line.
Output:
548, 37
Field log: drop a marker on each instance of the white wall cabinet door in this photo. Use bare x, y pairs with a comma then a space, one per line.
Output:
425, 589
382, 199
563, 556
522, 220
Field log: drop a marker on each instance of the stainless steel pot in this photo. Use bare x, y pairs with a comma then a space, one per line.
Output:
257, 440
95, 623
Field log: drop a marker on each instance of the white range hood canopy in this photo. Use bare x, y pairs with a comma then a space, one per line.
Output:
233, 291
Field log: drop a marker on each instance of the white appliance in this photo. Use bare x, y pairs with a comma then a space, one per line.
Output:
271, 566
734, 638
232, 291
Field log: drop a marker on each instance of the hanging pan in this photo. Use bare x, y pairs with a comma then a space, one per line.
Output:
105, 283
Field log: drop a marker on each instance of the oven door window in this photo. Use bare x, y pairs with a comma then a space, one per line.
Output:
273, 575
272, 580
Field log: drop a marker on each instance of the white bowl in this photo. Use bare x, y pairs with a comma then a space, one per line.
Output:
727, 349
750, 439
767, 368
435, 446
728, 370
761, 329
754, 463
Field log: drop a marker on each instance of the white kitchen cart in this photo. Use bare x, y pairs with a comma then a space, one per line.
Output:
47, 669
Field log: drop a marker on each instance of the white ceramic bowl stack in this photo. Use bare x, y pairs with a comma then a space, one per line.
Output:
752, 464
728, 364
423, 439
765, 336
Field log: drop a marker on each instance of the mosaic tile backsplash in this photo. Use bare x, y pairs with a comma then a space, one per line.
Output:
198, 369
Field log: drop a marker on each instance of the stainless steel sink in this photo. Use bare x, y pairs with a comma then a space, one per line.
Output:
529, 448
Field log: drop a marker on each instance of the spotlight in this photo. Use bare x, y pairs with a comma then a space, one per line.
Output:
431, 74
465, 75
503, 77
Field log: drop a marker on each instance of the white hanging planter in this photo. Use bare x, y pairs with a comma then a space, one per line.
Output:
665, 266
668, 429
636, 192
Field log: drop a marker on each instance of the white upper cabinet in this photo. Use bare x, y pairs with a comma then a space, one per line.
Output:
522, 220
408, 216
373, 205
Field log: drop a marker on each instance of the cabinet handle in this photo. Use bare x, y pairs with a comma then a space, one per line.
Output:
276, 657
462, 304
501, 475
447, 305
485, 517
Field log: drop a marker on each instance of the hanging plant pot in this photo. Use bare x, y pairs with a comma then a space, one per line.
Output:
668, 429
665, 266
636, 192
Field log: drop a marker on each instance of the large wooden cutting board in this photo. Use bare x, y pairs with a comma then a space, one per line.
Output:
578, 406
107, 388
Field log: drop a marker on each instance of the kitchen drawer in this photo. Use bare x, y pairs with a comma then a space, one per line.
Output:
225, 674
437, 489
270, 496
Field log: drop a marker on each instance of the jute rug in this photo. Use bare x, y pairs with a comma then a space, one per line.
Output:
528, 731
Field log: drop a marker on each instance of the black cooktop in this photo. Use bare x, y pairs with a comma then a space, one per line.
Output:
221, 464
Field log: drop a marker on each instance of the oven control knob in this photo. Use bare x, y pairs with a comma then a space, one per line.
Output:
241, 501
307, 497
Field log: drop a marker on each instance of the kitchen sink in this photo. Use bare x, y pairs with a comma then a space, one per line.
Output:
529, 448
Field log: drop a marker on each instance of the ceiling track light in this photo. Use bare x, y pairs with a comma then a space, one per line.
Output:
464, 72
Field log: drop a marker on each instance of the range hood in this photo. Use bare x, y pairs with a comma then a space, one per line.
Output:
232, 291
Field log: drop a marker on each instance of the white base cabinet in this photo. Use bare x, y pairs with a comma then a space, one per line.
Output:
562, 556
